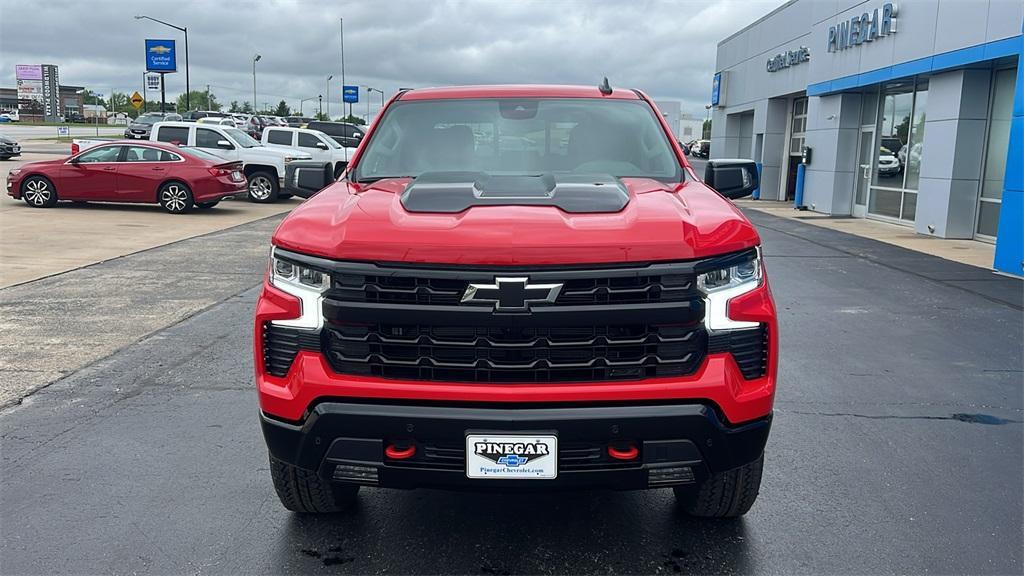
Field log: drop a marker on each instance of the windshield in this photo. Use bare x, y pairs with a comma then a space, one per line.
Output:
243, 139
147, 119
520, 137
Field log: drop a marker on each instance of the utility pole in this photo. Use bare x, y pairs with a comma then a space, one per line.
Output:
145, 97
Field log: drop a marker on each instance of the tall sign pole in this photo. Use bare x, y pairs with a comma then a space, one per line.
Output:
341, 36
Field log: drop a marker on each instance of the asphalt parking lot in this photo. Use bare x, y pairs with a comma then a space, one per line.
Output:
897, 444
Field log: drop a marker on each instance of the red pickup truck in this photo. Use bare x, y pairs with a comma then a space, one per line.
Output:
518, 288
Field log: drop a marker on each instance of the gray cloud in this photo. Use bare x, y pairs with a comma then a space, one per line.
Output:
664, 48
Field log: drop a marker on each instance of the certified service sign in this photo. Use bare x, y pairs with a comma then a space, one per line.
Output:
160, 56
507, 456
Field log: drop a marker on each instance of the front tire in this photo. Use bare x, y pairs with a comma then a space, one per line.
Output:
38, 192
175, 197
303, 491
725, 495
263, 187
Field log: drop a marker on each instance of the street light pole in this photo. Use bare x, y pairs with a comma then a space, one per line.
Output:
328, 92
368, 92
255, 59
188, 105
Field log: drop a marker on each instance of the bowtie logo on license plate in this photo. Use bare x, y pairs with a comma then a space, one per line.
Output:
511, 294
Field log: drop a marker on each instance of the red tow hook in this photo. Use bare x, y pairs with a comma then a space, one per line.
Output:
395, 453
630, 452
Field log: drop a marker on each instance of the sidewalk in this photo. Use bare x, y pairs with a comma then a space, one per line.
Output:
971, 252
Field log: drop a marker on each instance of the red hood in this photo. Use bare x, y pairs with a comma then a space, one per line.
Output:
42, 163
661, 222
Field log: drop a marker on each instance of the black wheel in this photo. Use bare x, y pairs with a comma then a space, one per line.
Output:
38, 192
339, 169
303, 491
5, 157
175, 197
724, 495
207, 205
262, 187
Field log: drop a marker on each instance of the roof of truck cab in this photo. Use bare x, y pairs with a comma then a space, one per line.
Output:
517, 91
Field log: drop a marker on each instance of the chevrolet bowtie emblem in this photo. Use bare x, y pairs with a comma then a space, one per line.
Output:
511, 294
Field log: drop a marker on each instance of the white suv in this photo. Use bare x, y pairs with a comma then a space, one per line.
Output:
264, 167
320, 146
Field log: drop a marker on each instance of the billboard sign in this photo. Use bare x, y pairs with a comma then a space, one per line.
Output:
160, 56
350, 94
29, 78
28, 72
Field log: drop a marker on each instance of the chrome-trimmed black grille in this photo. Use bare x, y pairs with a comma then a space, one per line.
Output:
514, 354
448, 291
749, 347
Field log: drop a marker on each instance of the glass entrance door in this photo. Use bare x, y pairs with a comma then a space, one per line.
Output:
866, 154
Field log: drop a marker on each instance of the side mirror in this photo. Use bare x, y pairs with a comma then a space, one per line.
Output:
224, 144
321, 145
733, 178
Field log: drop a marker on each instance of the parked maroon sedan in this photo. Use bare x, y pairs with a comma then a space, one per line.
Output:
125, 171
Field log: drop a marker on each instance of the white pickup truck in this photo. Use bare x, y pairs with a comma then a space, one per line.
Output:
264, 166
320, 146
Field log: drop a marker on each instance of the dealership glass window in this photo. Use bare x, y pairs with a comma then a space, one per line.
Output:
798, 126
897, 168
1003, 84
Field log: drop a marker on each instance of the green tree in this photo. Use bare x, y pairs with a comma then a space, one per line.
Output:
89, 97
235, 108
282, 109
246, 107
352, 119
199, 100
706, 131
119, 102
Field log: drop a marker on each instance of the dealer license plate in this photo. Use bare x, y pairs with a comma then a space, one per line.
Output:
518, 456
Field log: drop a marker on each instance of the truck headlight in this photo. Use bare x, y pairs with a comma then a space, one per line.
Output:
721, 285
306, 284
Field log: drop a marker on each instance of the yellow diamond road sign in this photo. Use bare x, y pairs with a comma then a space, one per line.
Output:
137, 100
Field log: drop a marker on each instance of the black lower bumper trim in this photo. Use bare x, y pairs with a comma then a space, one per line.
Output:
678, 443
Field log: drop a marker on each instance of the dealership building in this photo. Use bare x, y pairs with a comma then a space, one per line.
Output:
908, 112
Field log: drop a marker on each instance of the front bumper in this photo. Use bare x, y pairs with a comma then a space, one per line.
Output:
679, 444
10, 151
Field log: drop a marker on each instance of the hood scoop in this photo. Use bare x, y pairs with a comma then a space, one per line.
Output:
453, 192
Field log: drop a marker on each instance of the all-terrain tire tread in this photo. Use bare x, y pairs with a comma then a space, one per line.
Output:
727, 494
304, 491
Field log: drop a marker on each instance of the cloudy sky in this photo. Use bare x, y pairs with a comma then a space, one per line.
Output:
664, 48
